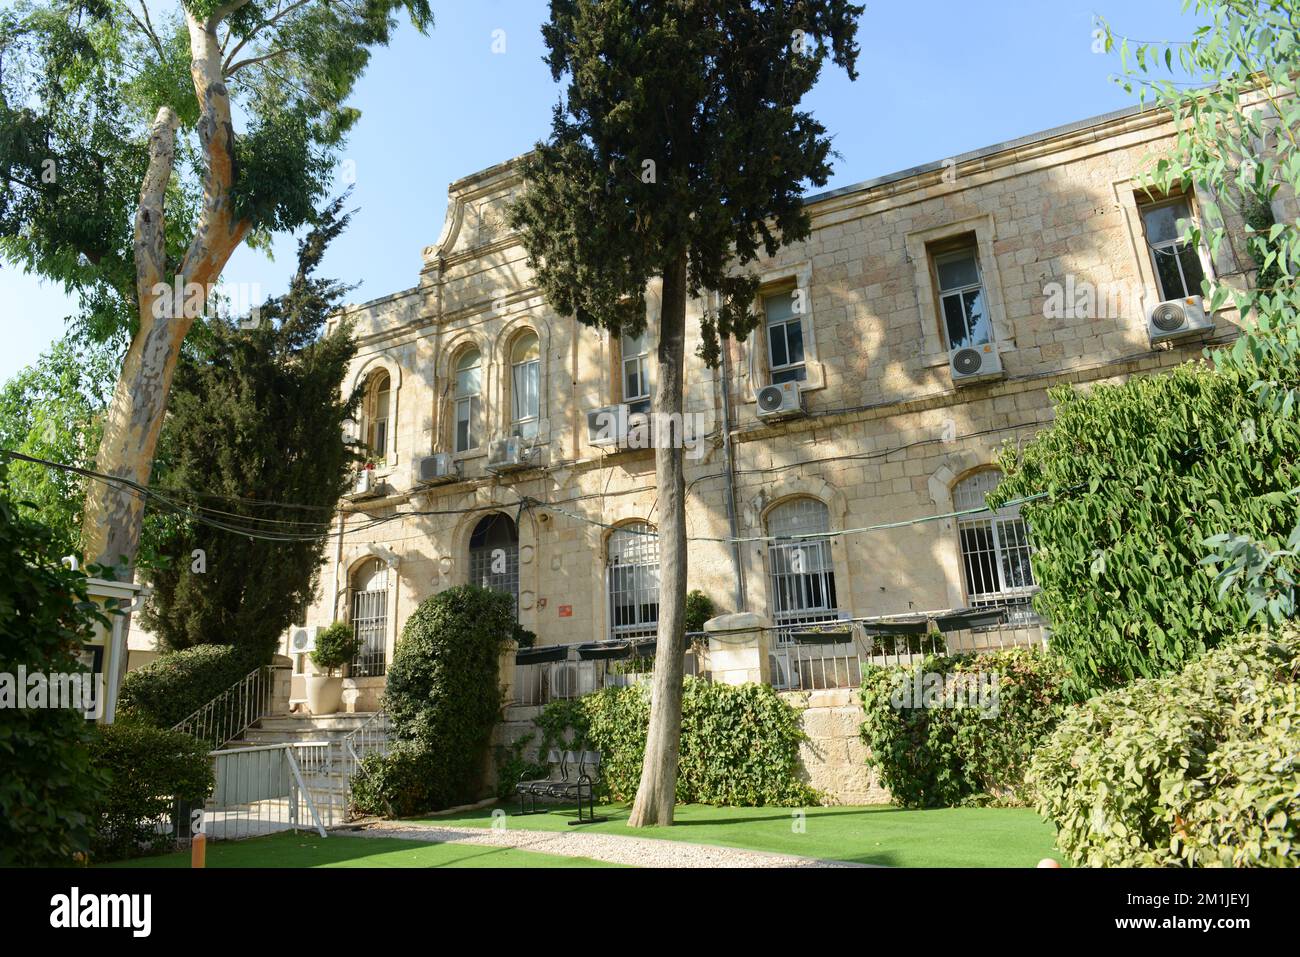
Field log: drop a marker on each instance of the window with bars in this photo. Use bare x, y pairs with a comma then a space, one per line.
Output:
995, 549
966, 319
469, 387
785, 350
802, 572
632, 580
494, 556
370, 618
1178, 265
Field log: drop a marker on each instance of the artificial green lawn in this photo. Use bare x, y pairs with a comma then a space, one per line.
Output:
311, 850
943, 837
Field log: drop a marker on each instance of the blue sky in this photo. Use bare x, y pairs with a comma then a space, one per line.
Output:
937, 78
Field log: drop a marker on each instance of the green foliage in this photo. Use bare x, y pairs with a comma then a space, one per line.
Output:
950, 755
523, 637
47, 785
1236, 148
152, 771
175, 685
81, 86
739, 743
336, 646
443, 696
1194, 769
255, 421
1138, 477
400, 783
699, 609
708, 92
51, 410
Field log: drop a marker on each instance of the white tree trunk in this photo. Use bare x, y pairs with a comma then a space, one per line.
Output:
656, 795
115, 511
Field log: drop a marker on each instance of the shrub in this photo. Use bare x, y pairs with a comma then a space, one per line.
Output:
443, 696
396, 784
699, 609
1198, 768
1139, 476
175, 685
152, 771
946, 755
47, 785
739, 743
336, 646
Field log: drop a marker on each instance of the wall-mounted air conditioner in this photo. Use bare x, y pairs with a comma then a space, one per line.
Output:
975, 363
571, 679
607, 427
1178, 319
302, 641
783, 400
436, 469
510, 455
366, 483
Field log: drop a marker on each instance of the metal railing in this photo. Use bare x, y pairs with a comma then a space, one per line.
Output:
278, 787
371, 738
538, 684
232, 712
797, 666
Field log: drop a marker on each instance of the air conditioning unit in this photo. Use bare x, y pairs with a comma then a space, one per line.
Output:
509, 455
571, 679
1178, 319
608, 426
436, 469
975, 363
302, 641
783, 400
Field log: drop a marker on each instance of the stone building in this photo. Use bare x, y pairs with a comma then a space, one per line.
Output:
1041, 255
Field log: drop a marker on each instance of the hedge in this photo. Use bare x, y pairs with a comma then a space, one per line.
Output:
152, 772
739, 743
443, 697
1137, 477
175, 685
1198, 768
960, 747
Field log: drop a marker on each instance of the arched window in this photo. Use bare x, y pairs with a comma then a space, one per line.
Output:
632, 579
469, 388
375, 415
494, 556
995, 548
525, 385
802, 570
369, 587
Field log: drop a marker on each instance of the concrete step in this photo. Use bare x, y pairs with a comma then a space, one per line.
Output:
326, 722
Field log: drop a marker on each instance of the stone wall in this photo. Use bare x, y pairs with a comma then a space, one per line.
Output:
833, 759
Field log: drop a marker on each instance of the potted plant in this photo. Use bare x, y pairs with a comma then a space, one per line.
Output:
335, 647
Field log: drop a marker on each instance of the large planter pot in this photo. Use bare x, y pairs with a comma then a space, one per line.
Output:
324, 694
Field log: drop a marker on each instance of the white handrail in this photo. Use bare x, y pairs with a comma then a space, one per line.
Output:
230, 713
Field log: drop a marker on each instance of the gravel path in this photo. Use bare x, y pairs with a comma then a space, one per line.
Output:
613, 848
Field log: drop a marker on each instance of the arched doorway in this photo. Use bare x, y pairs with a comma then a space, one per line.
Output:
494, 556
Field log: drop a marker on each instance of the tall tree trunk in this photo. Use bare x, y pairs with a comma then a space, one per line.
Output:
115, 511
657, 793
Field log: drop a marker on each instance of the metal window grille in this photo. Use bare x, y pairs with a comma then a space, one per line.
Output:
632, 580
494, 557
370, 619
802, 571
995, 550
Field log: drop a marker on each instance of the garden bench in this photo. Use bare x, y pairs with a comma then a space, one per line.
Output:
573, 776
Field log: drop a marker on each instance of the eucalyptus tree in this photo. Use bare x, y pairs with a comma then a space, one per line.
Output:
141, 143
678, 152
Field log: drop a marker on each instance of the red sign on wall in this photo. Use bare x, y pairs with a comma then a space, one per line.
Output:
566, 611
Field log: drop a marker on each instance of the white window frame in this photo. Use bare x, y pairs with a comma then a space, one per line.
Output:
799, 517
993, 561
786, 371
524, 422
640, 361
468, 405
972, 253
1155, 250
